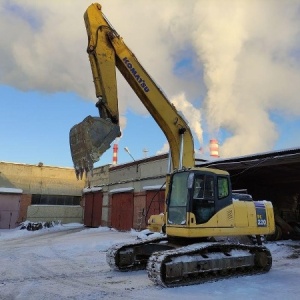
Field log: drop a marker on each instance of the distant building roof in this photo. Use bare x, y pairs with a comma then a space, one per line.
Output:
274, 167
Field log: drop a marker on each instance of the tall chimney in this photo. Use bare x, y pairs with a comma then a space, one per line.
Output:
214, 148
115, 154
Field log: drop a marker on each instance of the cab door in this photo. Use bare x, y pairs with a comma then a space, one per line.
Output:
203, 202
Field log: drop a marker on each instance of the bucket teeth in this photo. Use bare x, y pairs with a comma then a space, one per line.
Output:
77, 173
83, 169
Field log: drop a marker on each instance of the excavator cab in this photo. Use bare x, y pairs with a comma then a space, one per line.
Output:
89, 140
202, 193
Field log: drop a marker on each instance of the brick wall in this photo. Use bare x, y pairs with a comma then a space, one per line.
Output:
24, 203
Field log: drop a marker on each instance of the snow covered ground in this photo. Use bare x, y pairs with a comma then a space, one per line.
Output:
68, 262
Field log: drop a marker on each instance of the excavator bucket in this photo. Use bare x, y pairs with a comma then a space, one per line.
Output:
89, 140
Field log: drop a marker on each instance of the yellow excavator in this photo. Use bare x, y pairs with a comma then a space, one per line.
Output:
204, 222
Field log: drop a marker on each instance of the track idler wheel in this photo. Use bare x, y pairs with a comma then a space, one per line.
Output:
262, 260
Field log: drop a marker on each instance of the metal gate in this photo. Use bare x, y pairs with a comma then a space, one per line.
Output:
122, 211
9, 208
93, 209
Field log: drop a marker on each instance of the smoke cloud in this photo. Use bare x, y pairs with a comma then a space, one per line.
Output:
227, 65
250, 53
192, 115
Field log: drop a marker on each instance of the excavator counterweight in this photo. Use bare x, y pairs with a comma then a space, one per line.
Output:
89, 140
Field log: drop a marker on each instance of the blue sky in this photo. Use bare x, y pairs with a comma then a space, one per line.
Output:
233, 79
35, 128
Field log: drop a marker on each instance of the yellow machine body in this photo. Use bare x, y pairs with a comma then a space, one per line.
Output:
199, 201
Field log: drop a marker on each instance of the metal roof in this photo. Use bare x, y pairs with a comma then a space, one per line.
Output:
271, 167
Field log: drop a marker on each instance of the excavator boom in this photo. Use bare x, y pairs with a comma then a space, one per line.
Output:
107, 50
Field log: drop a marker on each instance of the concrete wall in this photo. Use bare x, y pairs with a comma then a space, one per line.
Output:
106, 210
35, 179
63, 213
100, 176
139, 174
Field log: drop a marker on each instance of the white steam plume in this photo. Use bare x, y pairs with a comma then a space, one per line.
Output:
246, 51
250, 54
191, 115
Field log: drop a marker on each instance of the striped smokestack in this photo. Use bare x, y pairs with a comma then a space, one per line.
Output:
214, 148
115, 154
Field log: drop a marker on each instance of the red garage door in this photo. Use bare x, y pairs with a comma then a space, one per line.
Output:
155, 203
122, 211
9, 207
93, 209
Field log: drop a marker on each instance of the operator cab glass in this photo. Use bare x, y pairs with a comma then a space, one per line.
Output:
203, 202
178, 199
202, 193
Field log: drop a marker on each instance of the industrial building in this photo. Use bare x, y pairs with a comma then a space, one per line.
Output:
116, 195
273, 176
38, 193
128, 193
134, 191
124, 196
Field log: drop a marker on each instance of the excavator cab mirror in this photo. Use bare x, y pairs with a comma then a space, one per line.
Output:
89, 140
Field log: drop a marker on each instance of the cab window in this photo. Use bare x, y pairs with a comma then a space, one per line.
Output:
178, 199
223, 187
204, 187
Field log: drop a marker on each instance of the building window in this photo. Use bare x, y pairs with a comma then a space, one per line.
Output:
38, 199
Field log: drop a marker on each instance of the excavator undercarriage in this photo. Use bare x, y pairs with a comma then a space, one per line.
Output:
171, 265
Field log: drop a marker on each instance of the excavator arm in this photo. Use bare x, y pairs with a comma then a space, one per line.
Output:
90, 138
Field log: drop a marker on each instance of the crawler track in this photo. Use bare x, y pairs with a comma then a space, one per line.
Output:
200, 263
133, 256
169, 265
